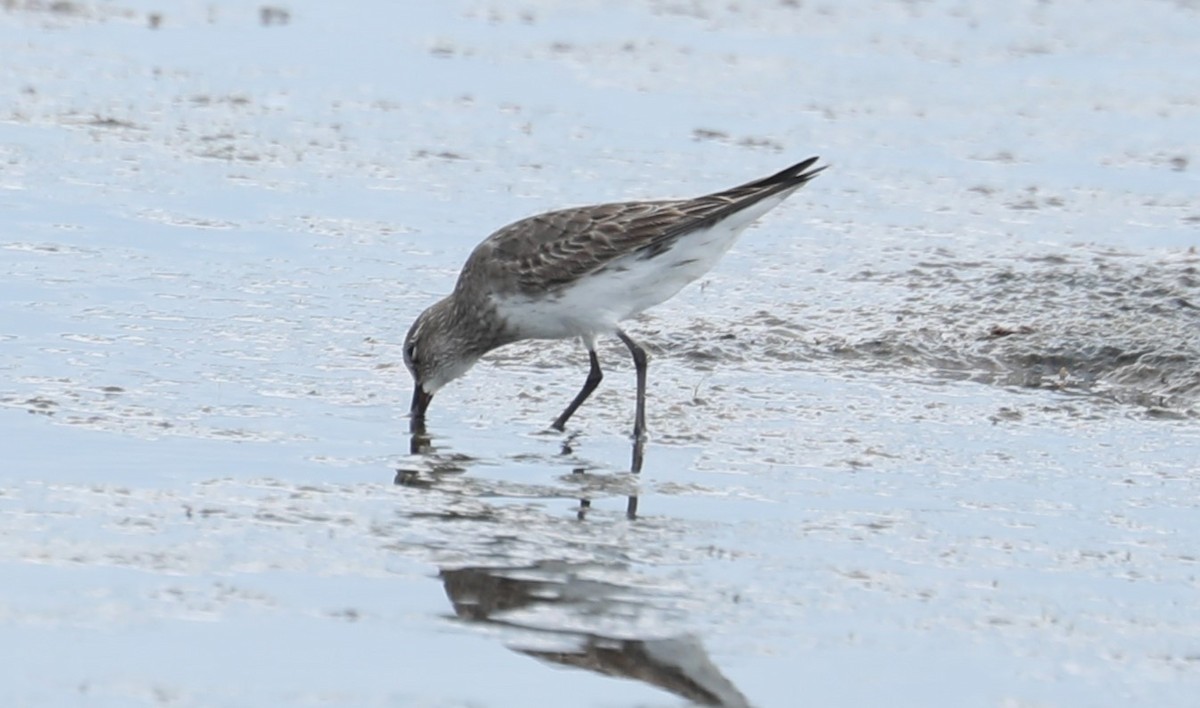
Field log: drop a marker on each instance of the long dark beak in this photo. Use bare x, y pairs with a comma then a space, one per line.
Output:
420, 402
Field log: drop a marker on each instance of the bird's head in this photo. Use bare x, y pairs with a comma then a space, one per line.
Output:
435, 353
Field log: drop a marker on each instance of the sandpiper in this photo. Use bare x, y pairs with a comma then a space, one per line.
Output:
578, 273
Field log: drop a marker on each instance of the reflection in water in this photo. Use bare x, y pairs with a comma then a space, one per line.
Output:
539, 602
437, 462
512, 597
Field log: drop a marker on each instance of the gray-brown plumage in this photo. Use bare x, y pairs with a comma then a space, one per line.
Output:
579, 272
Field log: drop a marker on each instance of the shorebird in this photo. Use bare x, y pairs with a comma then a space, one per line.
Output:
578, 273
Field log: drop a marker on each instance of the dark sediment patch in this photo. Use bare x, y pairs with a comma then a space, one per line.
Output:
1119, 327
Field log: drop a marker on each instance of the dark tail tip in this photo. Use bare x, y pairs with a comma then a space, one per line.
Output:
798, 173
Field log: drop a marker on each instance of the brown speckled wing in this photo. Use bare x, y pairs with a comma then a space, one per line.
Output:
545, 252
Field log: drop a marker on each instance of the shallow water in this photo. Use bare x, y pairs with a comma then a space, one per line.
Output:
927, 436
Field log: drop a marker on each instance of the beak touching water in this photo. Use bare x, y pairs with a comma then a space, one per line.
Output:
420, 402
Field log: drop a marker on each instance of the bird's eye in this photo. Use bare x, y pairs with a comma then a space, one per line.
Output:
410, 354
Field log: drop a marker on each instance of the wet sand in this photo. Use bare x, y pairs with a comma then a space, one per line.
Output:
927, 436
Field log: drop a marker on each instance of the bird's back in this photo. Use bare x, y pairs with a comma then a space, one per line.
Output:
540, 255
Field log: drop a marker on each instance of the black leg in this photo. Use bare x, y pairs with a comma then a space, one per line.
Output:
593, 380
639, 364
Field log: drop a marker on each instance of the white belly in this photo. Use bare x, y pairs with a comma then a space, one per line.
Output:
627, 286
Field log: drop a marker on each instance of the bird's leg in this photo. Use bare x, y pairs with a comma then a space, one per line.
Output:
593, 380
639, 365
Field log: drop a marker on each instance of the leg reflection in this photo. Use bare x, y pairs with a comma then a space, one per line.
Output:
430, 462
635, 467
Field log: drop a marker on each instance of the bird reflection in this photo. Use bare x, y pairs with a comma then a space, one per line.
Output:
493, 596
436, 462
419, 443
532, 599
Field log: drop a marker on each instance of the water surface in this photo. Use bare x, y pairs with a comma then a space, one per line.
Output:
927, 436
